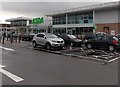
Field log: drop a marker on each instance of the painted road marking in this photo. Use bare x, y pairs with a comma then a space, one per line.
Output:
114, 59
1, 66
10, 75
9, 49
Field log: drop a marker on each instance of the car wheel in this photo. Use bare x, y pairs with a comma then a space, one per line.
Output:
89, 46
111, 48
71, 44
48, 46
34, 44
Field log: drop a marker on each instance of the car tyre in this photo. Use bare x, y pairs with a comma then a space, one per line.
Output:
34, 44
111, 48
61, 48
48, 46
89, 46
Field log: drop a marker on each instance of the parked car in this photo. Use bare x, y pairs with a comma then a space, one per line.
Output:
118, 36
25, 37
108, 42
91, 36
48, 41
31, 36
71, 40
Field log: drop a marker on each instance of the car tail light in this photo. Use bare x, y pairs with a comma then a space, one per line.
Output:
115, 42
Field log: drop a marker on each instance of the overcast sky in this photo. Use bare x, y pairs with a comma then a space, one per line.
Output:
11, 8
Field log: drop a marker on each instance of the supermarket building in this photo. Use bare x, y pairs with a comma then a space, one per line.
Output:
81, 21
24, 25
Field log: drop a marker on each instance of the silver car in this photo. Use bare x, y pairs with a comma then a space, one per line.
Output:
47, 40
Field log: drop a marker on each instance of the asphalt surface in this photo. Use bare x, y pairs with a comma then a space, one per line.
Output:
42, 68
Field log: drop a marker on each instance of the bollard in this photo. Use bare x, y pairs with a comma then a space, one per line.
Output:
3, 40
70, 48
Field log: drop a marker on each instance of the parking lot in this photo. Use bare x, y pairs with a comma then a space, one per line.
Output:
48, 65
83, 52
36, 66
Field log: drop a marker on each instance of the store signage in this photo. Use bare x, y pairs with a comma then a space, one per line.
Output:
38, 20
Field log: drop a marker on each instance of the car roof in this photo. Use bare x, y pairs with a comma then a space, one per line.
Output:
45, 33
66, 34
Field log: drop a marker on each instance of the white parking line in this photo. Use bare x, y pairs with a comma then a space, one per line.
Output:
1, 66
10, 75
114, 59
9, 49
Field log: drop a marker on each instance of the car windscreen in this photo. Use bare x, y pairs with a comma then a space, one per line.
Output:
71, 36
51, 36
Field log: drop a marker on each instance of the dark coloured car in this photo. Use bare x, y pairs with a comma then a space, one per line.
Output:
71, 40
118, 36
91, 36
108, 42
27, 37
31, 36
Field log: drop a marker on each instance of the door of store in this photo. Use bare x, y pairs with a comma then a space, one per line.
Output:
69, 31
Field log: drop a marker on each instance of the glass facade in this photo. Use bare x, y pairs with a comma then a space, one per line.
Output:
80, 18
39, 30
59, 30
74, 18
20, 23
59, 20
84, 30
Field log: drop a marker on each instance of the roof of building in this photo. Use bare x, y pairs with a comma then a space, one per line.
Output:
86, 8
4, 23
18, 18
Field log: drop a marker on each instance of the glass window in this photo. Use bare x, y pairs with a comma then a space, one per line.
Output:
98, 38
90, 17
40, 35
51, 36
85, 17
64, 36
104, 37
85, 21
71, 36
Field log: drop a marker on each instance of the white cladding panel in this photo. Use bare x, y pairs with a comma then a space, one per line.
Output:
73, 25
106, 16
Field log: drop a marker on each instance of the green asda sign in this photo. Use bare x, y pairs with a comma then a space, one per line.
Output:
37, 20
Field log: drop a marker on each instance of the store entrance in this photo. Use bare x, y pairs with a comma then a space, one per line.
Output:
59, 30
71, 31
84, 30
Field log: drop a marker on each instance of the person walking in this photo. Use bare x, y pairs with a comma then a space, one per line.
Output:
3, 37
8, 36
15, 37
11, 37
19, 38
